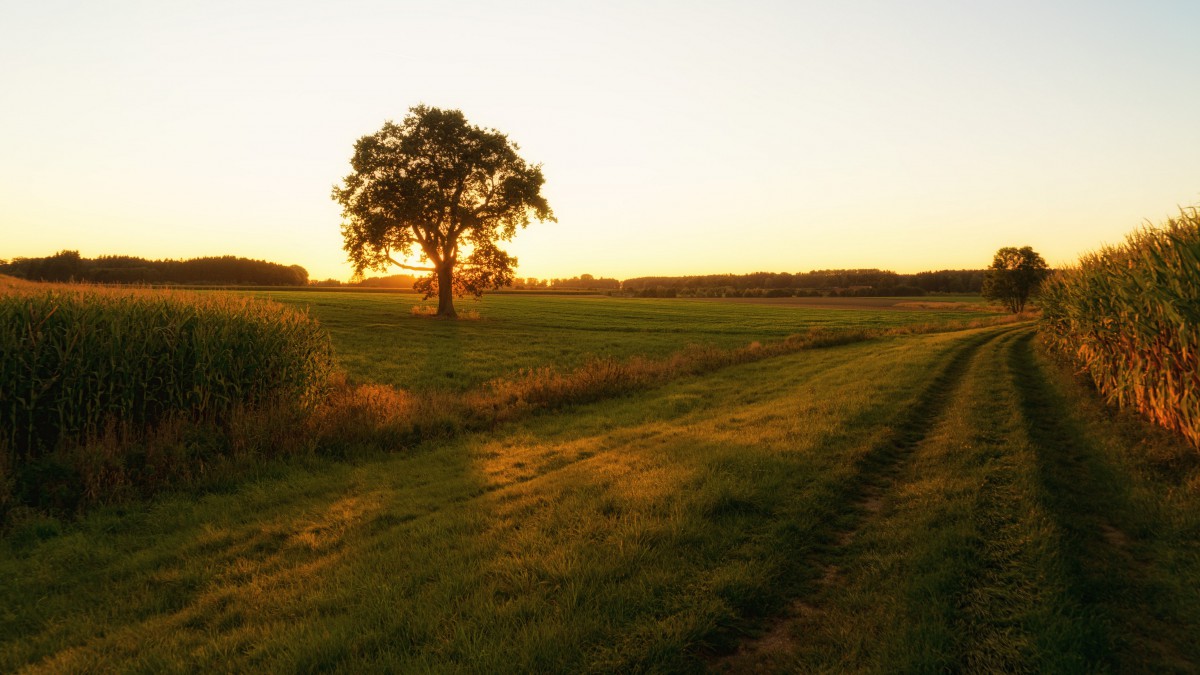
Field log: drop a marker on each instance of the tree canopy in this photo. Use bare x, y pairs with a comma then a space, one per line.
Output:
442, 189
1014, 275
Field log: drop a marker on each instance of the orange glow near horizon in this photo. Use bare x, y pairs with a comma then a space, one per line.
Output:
728, 138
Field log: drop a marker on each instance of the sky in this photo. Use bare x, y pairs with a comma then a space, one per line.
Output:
676, 138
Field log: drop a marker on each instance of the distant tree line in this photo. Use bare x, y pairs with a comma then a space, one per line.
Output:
392, 281
231, 270
865, 282
583, 282
122, 269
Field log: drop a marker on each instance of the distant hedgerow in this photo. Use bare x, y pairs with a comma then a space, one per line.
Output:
1129, 316
77, 360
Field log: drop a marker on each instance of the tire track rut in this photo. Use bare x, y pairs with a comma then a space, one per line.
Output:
873, 475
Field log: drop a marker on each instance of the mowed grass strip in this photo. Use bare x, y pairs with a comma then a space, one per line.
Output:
951, 565
378, 339
640, 532
1028, 531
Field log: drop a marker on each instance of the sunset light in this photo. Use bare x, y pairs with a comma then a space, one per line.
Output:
636, 336
675, 139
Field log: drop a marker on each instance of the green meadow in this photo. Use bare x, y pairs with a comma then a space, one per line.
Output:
378, 339
926, 502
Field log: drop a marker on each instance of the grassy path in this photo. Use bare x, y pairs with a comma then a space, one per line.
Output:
936, 502
842, 613
1001, 534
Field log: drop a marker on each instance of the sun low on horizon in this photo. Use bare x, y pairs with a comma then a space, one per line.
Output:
675, 138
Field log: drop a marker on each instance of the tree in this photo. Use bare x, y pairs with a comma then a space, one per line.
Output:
1014, 275
301, 278
448, 191
62, 266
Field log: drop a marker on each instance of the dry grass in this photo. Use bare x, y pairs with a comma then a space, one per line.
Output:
356, 414
933, 304
7, 282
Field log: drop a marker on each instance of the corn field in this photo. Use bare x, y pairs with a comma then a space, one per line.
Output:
1129, 316
77, 359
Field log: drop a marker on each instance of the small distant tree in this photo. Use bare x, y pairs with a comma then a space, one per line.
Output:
1014, 276
301, 275
446, 190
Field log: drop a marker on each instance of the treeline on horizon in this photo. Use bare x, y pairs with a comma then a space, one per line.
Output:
864, 282
232, 270
122, 269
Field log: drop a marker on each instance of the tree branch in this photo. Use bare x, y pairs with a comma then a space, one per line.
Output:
409, 267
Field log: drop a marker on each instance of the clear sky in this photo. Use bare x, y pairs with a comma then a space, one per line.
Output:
676, 137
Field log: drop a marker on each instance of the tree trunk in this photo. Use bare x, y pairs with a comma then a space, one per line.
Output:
445, 277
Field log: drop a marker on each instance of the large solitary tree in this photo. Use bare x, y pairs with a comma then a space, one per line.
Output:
1015, 274
442, 189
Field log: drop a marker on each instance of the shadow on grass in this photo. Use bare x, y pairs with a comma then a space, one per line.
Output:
1122, 616
443, 364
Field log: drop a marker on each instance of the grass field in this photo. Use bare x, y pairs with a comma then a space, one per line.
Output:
916, 504
379, 340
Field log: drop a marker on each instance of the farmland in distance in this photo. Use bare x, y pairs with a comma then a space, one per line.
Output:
378, 339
